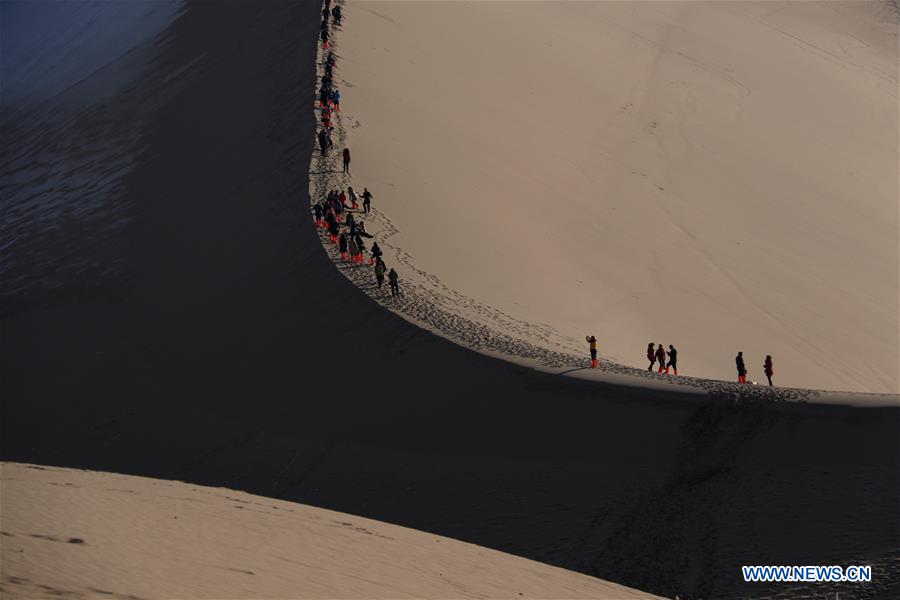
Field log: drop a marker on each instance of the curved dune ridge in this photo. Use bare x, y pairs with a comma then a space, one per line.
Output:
69, 532
719, 176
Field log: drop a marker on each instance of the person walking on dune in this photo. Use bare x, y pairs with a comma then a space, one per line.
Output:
354, 199
334, 229
353, 249
651, 355
660, 358
592, 345
323, 142
673, 360
347, 161
336, 13
741, 369
336, 100
768, 368
379, 272
342, 246
324, 36
367, 200
376, 253
360, 248
317, 210
395, 283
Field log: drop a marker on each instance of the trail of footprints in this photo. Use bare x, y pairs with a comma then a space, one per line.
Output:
427, 301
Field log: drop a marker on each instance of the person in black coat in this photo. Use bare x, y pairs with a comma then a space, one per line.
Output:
379, 272
673, 360
741, 369
317, 210
660, 358
395, 282
376, 252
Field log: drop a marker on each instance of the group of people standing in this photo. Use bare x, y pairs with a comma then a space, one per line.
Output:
660, 356
668, 360
768, 368
333, 213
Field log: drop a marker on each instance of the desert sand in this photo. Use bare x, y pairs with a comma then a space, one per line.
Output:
721, 176
209, 339
89, 534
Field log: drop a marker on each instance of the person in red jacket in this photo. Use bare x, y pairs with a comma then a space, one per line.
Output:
767, 367
661, 358
347, 161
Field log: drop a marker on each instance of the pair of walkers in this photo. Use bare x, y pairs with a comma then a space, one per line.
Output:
768, 368
660, 356
393, 278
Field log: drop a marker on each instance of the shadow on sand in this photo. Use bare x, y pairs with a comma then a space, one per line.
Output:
240, 357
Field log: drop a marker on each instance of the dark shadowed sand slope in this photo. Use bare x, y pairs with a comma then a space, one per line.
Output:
207, 338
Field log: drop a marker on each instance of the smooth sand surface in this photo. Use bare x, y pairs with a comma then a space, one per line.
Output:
721, 176
90, 534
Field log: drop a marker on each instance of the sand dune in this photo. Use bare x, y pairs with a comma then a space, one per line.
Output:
90, 534
717, 175
229, 351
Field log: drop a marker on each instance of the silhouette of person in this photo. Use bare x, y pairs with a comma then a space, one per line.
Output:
376, 252
360, 247
367, 200
347, 161
317, 210
323, 142
395, 282
768, 368
342, 246
660, 358
741, 369
379, 272
592, 344
651, 356
673, 360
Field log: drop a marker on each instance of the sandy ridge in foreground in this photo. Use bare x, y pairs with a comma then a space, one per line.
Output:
97, 534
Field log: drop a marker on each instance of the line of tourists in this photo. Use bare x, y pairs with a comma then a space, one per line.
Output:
666, 361
333, 213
